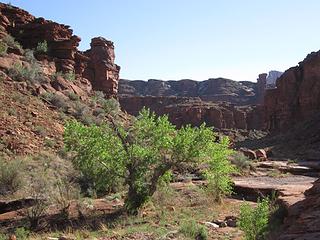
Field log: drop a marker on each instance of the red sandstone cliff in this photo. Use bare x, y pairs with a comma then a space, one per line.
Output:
194, 111
97, 64
297, 95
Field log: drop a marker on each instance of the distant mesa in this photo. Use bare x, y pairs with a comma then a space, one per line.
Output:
272, 78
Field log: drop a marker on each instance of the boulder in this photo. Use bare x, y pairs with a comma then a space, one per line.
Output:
261, 154
249, 153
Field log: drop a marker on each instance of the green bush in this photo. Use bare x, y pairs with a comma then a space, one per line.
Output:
73, 97
254, 221
98, 96
42, 47
137, 156
193, 230
98, 111
241, 161
10, 41
10, 176
70, 76
23, 73
29, 56
3, 48
56, 100
110, 106
3, 236
219, 170
22, 233
40, 130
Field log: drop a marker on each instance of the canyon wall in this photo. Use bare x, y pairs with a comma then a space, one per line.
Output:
194, 111
221, 103
296, 97
97, 64
218, 89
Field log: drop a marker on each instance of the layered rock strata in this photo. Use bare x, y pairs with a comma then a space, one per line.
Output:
96, 64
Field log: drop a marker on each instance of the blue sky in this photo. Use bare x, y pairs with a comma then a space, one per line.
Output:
196, 39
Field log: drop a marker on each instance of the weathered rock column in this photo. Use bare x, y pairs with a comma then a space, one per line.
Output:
102, 71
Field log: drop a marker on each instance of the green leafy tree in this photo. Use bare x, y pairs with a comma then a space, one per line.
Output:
219, 169
254, 221
137, 156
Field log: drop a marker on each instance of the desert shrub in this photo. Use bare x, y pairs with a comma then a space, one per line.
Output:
254, 221
29, 55
241, 161
79, 109
82, 113
10, 41
38, 191
70, 76
138, 155
98, 96
3, 48
64, 191
12, 112
3, 236
42, 47
40, 130
73, 97
11, 178
49, 143
56, 100
22, 233
219, 170
88, 119
98, 111
110, 106
24, 73
193, 230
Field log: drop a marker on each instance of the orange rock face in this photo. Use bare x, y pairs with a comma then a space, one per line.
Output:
96, 64
297, 96
194, 111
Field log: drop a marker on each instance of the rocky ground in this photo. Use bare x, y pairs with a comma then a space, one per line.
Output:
183, 203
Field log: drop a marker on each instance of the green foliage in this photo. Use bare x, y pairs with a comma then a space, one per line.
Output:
22, 233
42, 47
30, 73
10, 176
73, 97
193, 230
98, 96
139, 155
56, 100
3, 48
219, 169
70, 76
10, 41
29, 55
110, 106
40, 130
3, 236
241, 161
254, 221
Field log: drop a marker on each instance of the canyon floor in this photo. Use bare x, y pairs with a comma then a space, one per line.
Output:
173, 210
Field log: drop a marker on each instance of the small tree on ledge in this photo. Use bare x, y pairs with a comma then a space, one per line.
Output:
137, 156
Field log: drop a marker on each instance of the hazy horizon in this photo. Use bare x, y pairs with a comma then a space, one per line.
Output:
186, 39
